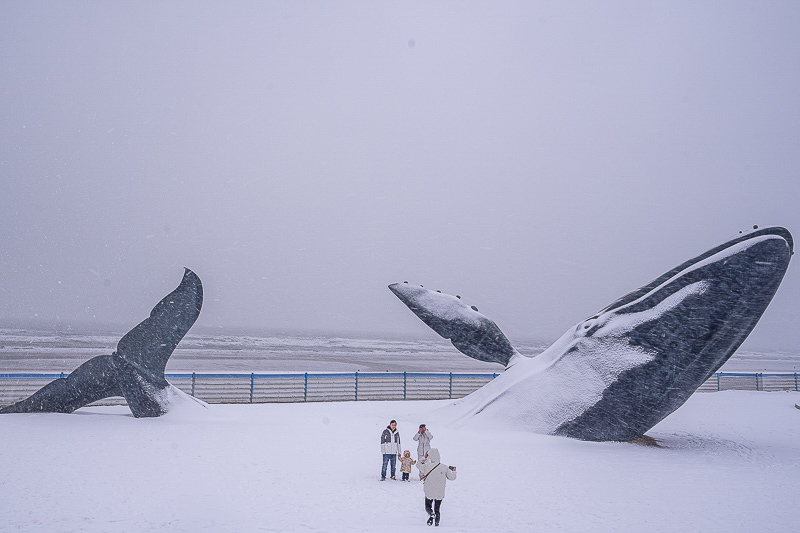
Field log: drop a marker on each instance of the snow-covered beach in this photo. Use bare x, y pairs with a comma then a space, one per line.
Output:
728, 461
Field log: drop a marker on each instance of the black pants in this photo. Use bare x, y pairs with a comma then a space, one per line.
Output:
405, 476
436, 505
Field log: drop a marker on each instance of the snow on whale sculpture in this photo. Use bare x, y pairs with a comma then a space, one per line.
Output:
618, 373
135, 370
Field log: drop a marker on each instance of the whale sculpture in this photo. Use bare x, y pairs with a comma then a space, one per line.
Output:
135, 370
618, 373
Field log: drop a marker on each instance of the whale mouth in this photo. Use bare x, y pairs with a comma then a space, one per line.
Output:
717, 299
777, 233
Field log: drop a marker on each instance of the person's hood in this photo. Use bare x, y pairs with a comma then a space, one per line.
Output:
433, 456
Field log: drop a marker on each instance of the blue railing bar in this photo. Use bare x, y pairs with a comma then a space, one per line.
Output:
404, 385
199, 375
252, 379
325, 375
280, 375
305, 388
25, 375
192, 383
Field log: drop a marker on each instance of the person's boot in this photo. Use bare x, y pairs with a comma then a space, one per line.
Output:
430, 520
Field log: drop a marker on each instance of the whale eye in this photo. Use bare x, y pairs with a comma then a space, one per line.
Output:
473, 308
440, 292
457, 296
405, 282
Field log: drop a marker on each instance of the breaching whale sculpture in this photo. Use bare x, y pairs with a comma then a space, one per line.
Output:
618, 373
135, 370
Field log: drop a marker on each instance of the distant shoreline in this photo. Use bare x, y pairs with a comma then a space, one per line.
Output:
28, 350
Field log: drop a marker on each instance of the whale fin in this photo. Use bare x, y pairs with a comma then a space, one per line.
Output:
471, 332
148, 346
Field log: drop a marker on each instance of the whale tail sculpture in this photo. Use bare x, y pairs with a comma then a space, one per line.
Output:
135, 370
616, 374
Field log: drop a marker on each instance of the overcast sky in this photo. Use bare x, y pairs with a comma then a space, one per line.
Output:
537, 158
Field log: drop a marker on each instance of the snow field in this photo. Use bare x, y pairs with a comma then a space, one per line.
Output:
729, 461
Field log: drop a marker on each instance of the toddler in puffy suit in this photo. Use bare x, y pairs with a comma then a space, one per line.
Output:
405, 465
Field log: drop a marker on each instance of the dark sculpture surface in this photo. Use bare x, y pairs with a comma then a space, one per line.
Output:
471, 332
616, 374
136, 370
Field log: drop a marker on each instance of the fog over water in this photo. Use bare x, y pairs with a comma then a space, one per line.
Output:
538, 159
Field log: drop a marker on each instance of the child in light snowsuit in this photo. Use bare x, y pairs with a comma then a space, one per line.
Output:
405, 465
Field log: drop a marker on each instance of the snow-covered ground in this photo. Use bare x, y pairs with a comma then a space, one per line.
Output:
729, 461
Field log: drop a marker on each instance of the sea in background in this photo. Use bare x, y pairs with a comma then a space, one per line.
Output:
42, 350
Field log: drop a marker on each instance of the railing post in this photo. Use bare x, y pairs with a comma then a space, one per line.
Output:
62, 375
758, 387
795, 381
356, 385
451, 385
718, 385
404, 384
305, 388
252, 378
193, 383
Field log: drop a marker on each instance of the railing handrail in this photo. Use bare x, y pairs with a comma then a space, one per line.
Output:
270, 375
248, 375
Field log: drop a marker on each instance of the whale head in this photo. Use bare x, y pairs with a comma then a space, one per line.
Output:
685, 324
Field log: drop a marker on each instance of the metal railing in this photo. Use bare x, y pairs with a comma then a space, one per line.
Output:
286, 387
758, 381
352, 386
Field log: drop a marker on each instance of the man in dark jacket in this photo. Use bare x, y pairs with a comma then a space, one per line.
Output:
390, 447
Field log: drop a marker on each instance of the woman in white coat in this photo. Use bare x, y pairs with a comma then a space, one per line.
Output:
434, 475
423, 436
